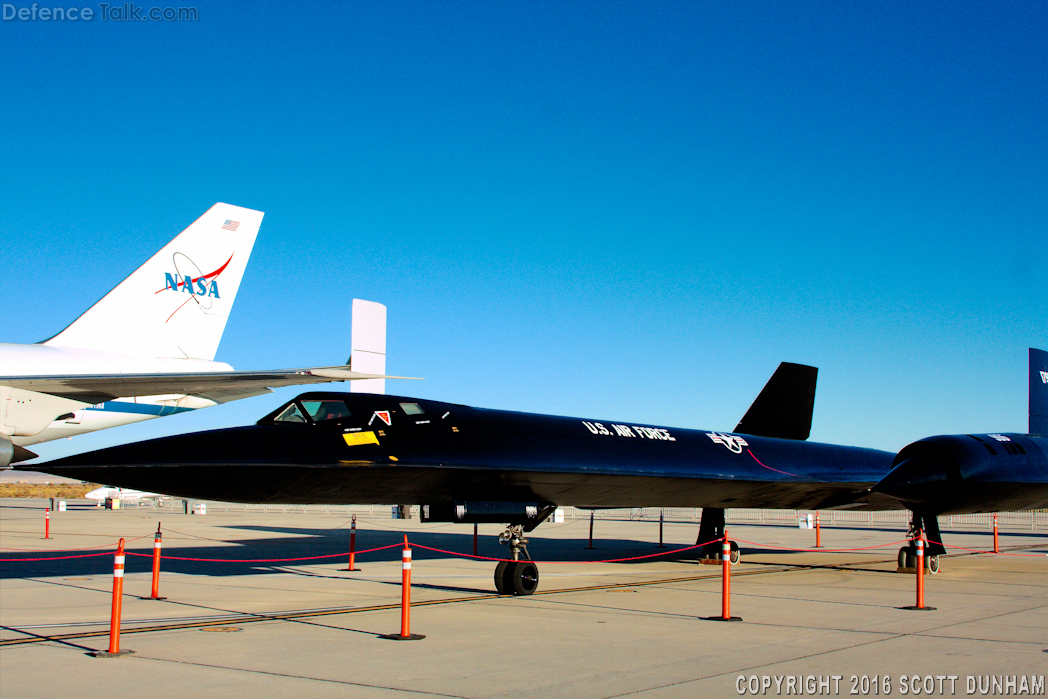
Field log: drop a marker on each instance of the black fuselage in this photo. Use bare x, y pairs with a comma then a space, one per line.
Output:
444, 453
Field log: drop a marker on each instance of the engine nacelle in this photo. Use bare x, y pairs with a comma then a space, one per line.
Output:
7, 452
484, 511
956, 474
11, 453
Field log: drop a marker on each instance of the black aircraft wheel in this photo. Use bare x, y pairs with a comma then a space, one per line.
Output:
500, 578
907, 558
524, 576
933, 565
735, 553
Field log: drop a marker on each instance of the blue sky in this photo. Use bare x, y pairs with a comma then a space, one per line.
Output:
621, 210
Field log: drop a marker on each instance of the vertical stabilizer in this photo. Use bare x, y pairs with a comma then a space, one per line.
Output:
785, 404
177, 303
369, 345
1038, 391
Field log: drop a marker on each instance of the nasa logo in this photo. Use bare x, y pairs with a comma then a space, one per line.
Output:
201, 286
188, 278
1000, 437
1044, 377
733, 443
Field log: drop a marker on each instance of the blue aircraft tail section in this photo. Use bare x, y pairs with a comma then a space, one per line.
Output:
1038, 391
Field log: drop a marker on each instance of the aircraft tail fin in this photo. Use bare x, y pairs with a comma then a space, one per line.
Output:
177, 303
785, 404
368, 345
1038, 391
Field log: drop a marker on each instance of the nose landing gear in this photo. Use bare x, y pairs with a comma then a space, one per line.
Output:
516, 576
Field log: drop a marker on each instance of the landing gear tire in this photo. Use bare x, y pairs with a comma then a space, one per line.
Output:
516, 578
524, 576
735, 553
908, 559
500, 578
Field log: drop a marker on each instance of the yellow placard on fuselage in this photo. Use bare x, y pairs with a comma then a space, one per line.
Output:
354, 438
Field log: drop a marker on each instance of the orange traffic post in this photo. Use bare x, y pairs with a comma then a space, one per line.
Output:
155, 594
920, 573
920, 607
725, 583
353, 546
996, 544
114, 619
405, 601
818, 532
47, 522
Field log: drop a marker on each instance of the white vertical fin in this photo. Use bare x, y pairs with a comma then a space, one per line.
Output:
369, 345
177, 303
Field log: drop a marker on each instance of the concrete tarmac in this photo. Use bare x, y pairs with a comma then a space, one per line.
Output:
274, 628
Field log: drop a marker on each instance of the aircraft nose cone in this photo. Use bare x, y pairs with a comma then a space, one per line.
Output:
920, 479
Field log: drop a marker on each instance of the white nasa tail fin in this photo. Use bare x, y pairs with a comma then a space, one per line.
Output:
369, 345
177, 303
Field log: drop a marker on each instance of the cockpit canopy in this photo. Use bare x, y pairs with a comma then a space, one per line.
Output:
333, 408
313, 410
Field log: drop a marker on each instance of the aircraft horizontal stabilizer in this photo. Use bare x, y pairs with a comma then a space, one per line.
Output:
219, 386
784, 407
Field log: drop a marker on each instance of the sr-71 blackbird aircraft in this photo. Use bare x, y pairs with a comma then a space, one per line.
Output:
464, 464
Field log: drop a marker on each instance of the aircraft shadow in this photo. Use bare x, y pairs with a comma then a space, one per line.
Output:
256, 556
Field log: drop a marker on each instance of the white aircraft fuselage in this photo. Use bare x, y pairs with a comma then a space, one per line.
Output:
28, 417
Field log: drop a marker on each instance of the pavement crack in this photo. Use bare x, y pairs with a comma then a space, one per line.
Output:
288, 675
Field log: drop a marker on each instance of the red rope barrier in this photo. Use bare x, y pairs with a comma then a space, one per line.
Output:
205, 538
463, 555
83, 548
260, 560
787, 548
268, 543
53, 558
607, 560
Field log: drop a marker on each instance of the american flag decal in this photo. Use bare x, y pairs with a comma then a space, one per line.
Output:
230, 225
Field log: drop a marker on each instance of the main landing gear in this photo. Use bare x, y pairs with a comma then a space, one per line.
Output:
908, 561
516, 576
711, 532
929, 524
